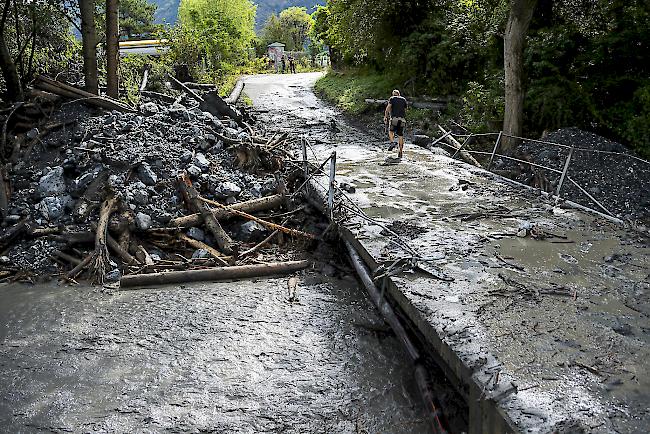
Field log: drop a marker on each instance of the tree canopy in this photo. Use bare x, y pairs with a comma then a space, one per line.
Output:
585, 61
291, 27
219, 31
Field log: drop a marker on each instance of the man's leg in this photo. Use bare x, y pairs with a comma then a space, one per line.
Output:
401, 146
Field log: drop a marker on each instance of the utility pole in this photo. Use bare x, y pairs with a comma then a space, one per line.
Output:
112, 47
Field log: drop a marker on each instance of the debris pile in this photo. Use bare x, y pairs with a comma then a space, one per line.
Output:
97, 194
620, 183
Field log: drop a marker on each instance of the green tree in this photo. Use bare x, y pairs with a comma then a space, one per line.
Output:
137, 18
215, 32
291, 27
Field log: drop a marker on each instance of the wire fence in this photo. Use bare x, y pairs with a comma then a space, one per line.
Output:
563, 173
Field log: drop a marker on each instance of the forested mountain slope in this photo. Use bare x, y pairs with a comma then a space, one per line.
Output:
168, 9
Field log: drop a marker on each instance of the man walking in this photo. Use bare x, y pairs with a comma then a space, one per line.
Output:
396, 114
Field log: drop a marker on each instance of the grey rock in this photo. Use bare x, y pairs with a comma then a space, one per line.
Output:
348, 187
228, 189
179, 112
200, 254
202, 143
143, 221
52, 183
32, 134
12, 219
193, 171
328, 270
230, 200
147, 175
251, 231
81, 182
140, 196
421, 140
51, 208
196, 234
113, 275
186, 157
256, 190
201, 161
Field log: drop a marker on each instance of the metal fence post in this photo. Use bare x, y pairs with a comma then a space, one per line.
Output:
330, 198
564, 172
305, 163
494, 151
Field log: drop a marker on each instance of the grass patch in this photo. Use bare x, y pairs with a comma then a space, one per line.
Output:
348, 89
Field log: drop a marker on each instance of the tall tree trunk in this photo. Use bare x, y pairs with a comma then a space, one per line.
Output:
7, 64
112, 47
89, 44
521, 13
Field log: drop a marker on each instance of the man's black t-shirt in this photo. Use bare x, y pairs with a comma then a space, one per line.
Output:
398, 106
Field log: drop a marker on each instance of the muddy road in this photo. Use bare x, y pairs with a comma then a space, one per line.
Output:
549, 309
216, 357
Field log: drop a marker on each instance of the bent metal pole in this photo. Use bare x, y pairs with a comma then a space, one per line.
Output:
421, 374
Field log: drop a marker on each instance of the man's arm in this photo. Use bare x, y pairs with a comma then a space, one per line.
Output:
388, 111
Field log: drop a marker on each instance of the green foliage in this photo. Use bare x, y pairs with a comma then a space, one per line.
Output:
213, 34
482, 104
291, 27
131, 70
137, 18
348, 89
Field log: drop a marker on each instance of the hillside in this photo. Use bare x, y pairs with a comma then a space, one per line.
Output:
168, 9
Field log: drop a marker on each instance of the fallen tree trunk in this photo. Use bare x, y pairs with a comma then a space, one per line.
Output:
213, 274
433, 105
185, 89
250, 206
63, 89
236, 92
466, 156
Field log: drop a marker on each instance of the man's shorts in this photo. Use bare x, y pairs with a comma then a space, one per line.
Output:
397, 126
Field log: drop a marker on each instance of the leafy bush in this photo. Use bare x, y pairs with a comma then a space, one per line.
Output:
482, 104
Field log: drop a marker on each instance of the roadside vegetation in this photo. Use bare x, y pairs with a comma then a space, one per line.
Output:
581, 64
213, 41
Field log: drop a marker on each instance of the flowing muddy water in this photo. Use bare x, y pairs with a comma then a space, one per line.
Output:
213, 357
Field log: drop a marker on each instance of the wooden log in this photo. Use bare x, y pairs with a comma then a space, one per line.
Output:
159, 96
69, 258
13, 232
101, 259
223, 240
63, 89
4, 194
185, 89
213, 274
201, 245
466, 156
250, 206
120, 251
236, 92
213, 103
200, 86
270, 225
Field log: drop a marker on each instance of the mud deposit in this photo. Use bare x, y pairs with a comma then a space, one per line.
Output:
219, 357
548, 313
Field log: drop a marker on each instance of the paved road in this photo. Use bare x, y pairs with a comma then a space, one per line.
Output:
562, 316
